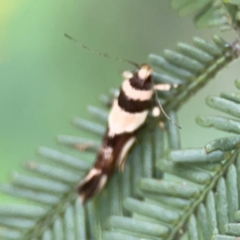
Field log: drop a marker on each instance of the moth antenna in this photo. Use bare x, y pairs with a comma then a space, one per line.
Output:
100, 53
165, 114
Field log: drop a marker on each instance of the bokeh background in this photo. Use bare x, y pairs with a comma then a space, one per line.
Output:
46, 80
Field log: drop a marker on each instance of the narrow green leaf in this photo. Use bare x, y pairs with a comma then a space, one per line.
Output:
42, 198
192, 7
164, 78
173, 131
235, 97
9, 234
47, 235
182, 61
98, 113
21, 211
89, 126
237, 16
115, 204
223, 144
238, 175
80, 144
69, 223
209, 48
237, 216
39, 184
232, 192
151, 210
104, 210
54, 173
223, 237
221, 21
182, 190
158, 148
121, 236
202, 18
137, 170
194, 53
202, 222
126, 186
114, 92
93, 221
195, 156
211, 167
80, 220
237, 83
184, 171
174, 202
106, 100
16, 223
232, 229
220, 42
224, 105
211, 213
221, 205
138, 226
225, 26
160, 62
58, 230
147, 155
221, 123
192, 229
63, 159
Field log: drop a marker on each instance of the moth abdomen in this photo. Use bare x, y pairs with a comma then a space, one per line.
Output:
111, 154
92, 184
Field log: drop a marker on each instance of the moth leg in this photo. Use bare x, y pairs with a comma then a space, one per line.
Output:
156, 111
161, 125
127, 74
123, 154
87, 146
164, 86
83, 147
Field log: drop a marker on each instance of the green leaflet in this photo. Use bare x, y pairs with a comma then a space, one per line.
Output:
210, 13
138, 204
212, 207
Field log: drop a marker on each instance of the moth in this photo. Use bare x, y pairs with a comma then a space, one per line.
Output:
136, 98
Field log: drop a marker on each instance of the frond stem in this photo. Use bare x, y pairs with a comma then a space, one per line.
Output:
203, 195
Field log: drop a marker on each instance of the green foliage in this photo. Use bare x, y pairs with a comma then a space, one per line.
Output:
201, 199
209, 13
135, 204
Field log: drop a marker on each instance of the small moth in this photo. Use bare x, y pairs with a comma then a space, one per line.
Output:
136, 98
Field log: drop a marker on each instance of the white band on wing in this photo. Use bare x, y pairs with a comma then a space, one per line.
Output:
135, 94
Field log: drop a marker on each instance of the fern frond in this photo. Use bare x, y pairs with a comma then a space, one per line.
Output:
202, 203
210, 13
51, 185
212, 56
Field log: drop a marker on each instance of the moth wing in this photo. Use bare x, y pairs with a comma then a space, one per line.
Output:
120, 121
124, 152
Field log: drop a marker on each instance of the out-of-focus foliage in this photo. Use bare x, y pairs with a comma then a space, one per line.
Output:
60, 216
198, 195
210, 13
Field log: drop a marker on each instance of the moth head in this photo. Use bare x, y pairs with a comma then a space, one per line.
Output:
144, 72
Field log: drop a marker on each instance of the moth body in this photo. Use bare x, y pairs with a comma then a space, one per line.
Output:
137, 96
128, 113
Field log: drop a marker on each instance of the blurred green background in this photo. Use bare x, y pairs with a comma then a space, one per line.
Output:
46, 79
